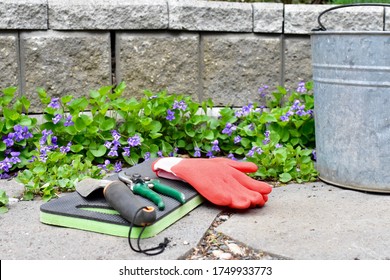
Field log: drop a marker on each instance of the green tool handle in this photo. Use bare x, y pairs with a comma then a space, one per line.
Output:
122, 199
168, 191
144, 191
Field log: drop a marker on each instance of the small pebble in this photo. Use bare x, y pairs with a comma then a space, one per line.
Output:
235, 249
217, 253
223, 217
186, 242
225, 256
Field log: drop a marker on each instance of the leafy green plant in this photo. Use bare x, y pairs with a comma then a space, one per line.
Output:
90, 136
3, 202
16, 131
278, 136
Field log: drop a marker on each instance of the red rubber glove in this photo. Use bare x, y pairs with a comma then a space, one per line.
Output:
222, 181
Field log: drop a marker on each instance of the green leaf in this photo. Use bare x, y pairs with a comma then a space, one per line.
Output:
66, 99
267, 118
25, 102
99, 151
79, 124
3, 198
208, 134
107, 124
10, 91
76, 148
94, 94
155, 126
155, 135
3, 210
3, 147
189, 130
25, 121
86, 119
11, 114
28, 195
289, 165
285, 177
40, 169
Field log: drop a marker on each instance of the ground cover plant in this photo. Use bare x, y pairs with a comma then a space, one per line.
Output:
90, 136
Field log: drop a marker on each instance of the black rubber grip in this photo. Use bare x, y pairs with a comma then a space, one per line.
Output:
122, 199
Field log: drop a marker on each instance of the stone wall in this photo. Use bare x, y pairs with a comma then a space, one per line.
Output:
221, 50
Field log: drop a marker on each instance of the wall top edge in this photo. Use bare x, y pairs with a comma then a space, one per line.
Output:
186, 15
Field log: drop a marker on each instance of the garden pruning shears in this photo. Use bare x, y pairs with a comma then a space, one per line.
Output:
150, 188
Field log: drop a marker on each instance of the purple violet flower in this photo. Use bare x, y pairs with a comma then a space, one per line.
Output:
229, 128
277, 146
197, 152
108, 144
113, 152
237, 139
68, 121
215, 146
118, 166
170, 115
179, 105
254, 150
301, 87
134, 141
54, 103
8, 142
127, 151
57, 118
231, 156
209, 154
66, 149
105, 165
15, 157
263, 91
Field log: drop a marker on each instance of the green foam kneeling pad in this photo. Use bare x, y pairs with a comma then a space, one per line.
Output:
93, 213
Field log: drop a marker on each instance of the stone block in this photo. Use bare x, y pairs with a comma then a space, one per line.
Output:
236, 65
301, 19
268, 17
158, 61
9, 60
23, 14
64, 63
297, 61
210, 16
108, 14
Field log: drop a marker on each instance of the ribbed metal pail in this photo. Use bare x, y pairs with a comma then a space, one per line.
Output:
351, 73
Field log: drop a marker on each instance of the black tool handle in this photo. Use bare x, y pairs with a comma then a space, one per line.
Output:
321, 27
122, 199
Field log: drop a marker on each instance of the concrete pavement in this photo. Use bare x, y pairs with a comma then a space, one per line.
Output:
300, 221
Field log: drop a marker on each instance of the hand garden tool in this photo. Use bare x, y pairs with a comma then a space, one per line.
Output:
150, 188
121, 198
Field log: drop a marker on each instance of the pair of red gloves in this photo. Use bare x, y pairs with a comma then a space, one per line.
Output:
222, 181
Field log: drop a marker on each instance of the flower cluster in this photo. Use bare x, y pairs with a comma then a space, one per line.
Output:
244, 111
254, 150
48, 143
263, 91
301, 87
177, 105
19, 134
229, 128
298, 109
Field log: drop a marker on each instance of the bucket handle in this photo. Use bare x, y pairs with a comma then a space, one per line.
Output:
322, 27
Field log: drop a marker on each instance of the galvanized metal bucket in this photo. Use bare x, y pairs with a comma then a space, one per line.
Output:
351, 73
